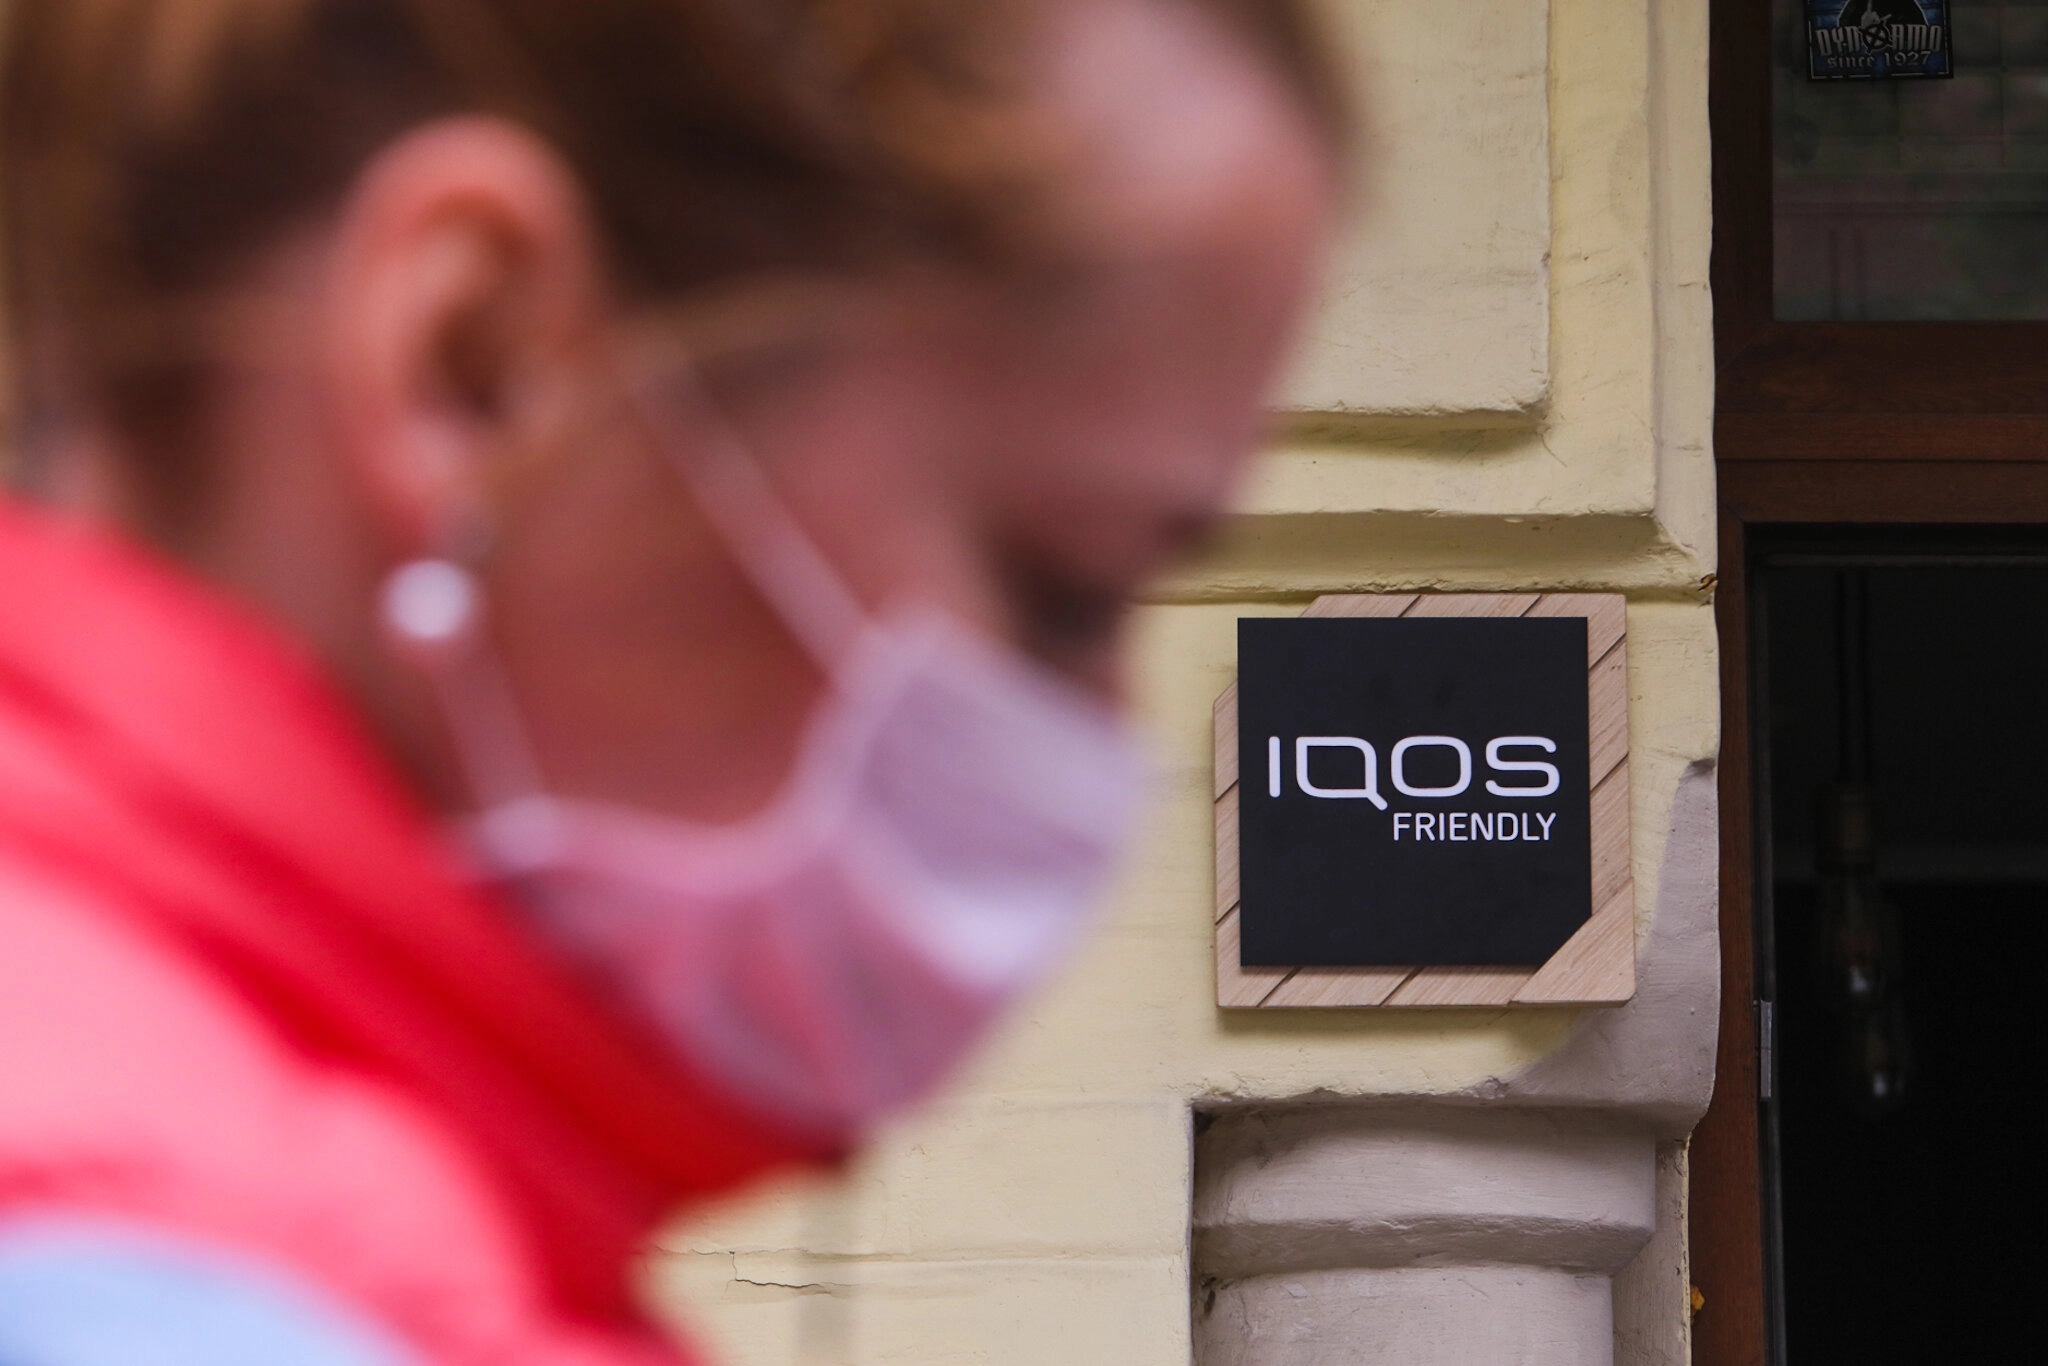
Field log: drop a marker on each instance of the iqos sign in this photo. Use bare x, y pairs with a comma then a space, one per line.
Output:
1497, 761
1412, 792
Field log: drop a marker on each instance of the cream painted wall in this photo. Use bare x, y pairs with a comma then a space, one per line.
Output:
1040, 1212
1440, 302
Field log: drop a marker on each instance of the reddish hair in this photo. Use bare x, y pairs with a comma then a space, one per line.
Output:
151, 149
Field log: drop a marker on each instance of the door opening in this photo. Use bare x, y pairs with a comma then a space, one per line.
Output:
1901, 925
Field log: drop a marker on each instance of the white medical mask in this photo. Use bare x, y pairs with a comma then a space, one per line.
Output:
953, 815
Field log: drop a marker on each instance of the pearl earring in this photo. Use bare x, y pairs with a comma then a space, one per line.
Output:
432, 608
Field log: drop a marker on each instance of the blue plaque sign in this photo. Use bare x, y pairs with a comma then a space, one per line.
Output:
1877, 40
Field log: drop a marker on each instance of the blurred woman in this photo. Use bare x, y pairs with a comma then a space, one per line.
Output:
559, 647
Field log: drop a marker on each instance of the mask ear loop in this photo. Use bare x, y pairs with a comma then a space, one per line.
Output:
432, 611
433, 608
744, 511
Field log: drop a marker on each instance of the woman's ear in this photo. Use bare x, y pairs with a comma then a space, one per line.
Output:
459, 315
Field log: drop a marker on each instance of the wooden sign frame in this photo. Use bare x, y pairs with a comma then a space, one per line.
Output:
1596, 967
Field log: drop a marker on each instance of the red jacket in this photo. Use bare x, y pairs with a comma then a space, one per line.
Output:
247, 994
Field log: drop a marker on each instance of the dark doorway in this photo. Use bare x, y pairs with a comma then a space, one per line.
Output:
1899, 948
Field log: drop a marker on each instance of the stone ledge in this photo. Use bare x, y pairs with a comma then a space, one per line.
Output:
1304, 555
1583, 1247
1300, 1189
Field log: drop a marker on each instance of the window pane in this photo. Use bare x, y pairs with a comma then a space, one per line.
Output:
1913, 198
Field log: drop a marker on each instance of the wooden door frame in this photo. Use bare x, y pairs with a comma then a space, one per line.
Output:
1758, 497
1791, 391
1958, 436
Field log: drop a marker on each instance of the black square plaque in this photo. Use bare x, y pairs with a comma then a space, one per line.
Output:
1415, 791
